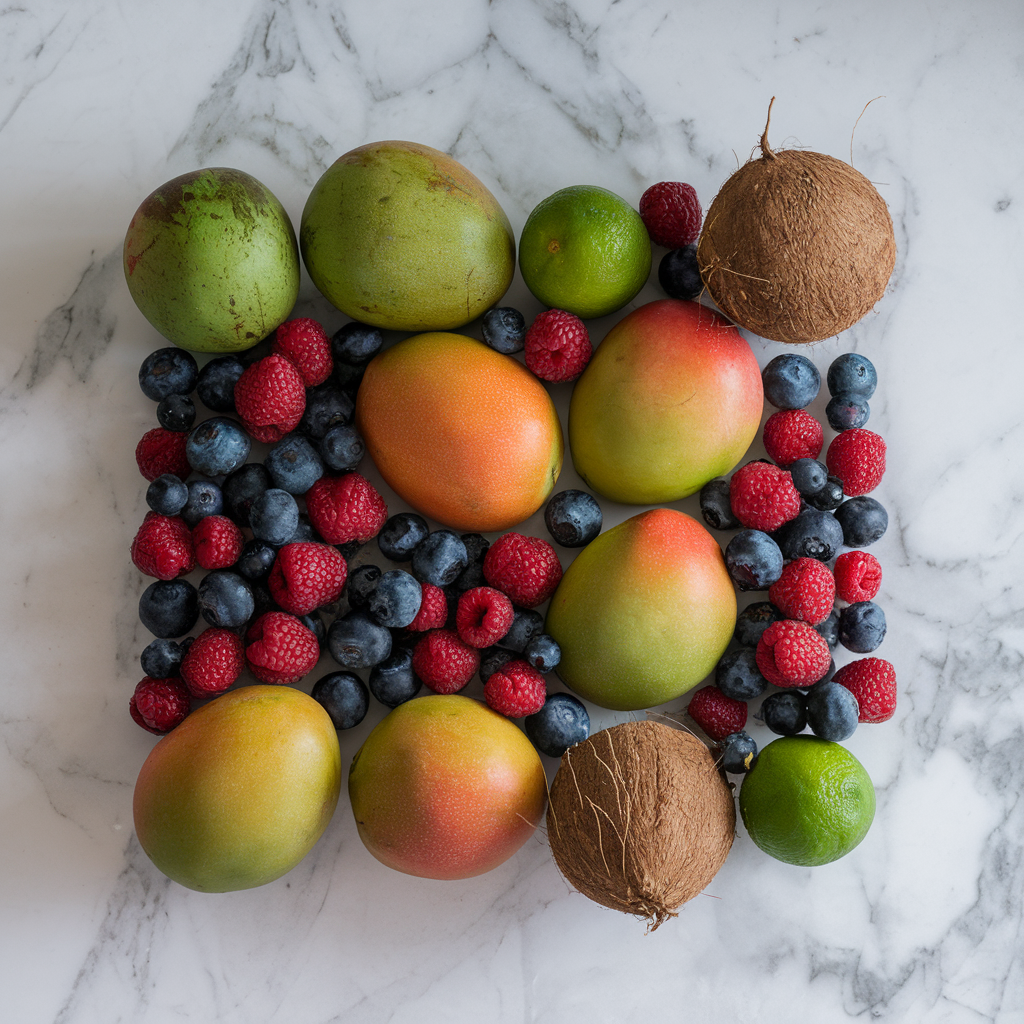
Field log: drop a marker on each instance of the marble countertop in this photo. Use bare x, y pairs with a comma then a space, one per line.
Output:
101, 102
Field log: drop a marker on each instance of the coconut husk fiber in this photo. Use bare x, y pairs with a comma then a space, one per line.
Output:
797, 246
640, 819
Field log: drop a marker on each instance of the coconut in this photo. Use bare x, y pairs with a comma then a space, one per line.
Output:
640, 819
797, 246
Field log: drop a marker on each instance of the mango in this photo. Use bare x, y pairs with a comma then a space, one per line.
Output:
644, 612
211, 260
401, 236
239, 793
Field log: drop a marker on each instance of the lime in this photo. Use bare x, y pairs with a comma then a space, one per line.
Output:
807, 800
585, 250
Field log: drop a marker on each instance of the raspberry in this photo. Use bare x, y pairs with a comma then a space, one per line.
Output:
158, 705
762, 496
433, 611
557, 346
806, 590
857, 457
217, 541
270, 398
483, 616
344, 508
443, 661
307, 575
163, 547
873, 682
792, 434
858, 576
304, 342
792, 653
719, 716
671, 213
162, 451
517, 689
213, 662
280, 649
526, 569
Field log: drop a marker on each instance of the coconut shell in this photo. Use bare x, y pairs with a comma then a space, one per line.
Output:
796, 246
640, 819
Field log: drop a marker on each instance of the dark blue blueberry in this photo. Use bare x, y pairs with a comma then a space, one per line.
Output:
754, 620
218, 446
305, 531
395, 600
737, 753
349, 550
753, 559
294, 464
560, 724
168, 371
679, 274
256, 560
169, 608
393, 681
790, 382
162, 659
356, 641
204, 499
492, 659
242, 488
809, 475
439, 558
470, 577
361, 583
216, 384
504, 329
832, 711
715, 507
573, 518
315, 624
263, 600
274, 516
263, 348
177, 413
863, 520
526, 624
167, 495
342, 449
812, 534
846, 412
356, 344
738, 676
785, 712
862, 627
344, 697
401, 535
327, 405
830, 497
225, 599
852, 374
829, 629
476, 547
543, 653
348, 378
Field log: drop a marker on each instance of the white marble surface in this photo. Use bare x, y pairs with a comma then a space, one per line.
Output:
100, 102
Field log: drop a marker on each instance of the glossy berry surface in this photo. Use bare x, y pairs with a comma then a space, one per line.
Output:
790, 381
737, 753
753, 560
256, 560
168, 371
342, 449
294, 464
362, 581
679, 274
812, 534
356, 344
274, 516
832, 711
439, 558
716, 507
738, 676
543, 653
862, 627
327, 406
355, 640
216, 384
205, 498
526, 624
167, 495
343, 695
829, 498
169, 608
176, 412
809, 476
393, 681
401, 535
504, 329
862, 520
852, 374
785, 712
573, 518
753, 620
161, 659
561, 723
225, 599
847, 412
396, 599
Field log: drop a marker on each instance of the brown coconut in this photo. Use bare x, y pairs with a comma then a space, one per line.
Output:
640, 819
796, 246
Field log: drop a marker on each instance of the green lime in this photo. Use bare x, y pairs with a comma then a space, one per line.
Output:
807, 800
585, 250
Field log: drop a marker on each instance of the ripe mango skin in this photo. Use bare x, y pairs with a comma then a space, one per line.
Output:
239, 793
211, 260
644, 612
403, 237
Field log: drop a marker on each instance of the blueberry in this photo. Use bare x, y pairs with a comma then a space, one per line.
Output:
832, 711
790, 382
344, 697
861, 627
863, 520
326, 406
167, 495
204, 499
162, 659
543, 653
356, 344
809, 475
304, 531
560, 724
168, 371
753, 559
738, 676
400, 536
342, 449
256, 560
176, 412
439, 558
492, 659
348, 378
242, 488
395, 600
526, 624
737, 753
356, 641
785, 712
504, 329
393, 681
852, 374
349, 550
679, 275
169, 608
846, 412
812, 534
361, 583
829, 497
263, 600
274, 516
829, 672
715, 506
218, 446
470, 577
476, 547
315, 624
216, 384
294, 464
754, 620
225, 599
573, 518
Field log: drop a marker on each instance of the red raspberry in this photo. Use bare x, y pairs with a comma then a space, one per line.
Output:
858, 576
305, 343
344, 508
163, 547
162, 451
763, 497
484, 615
433, 613
719, 716
517, 689
857, 457
443, 661
279, 648
270, 398
671, 212
526, 569
213, 662
557, 346
873, 682
218, 542
792, 434
307, 575
792, 653
806, 590
158, 705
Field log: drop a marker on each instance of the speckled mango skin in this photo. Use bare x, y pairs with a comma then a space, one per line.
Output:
446, 788
211, 260
401, 236
644, 612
